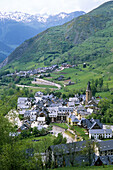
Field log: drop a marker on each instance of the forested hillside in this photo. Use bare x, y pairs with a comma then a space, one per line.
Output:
86, 38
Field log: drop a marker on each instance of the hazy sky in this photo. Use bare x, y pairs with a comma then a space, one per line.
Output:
49, 6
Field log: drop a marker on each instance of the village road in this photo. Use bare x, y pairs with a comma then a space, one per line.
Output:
57, 130
18, 85
45, 82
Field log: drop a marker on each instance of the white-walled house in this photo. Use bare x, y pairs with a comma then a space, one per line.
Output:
41, 121
90, 110
23, 103
59, 113
100, 133
38, 96
34, 124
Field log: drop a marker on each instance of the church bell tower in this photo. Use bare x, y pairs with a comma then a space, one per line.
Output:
88, 93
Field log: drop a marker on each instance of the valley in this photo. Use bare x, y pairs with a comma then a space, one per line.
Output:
56, 90
16, 27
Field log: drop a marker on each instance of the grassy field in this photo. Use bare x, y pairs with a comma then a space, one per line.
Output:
39, 143
81, 132
62, 125
80, 76
70, 134
86, 168
43, 86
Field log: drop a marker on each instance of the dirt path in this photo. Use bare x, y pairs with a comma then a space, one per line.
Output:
18, 85
57, 130
46, 82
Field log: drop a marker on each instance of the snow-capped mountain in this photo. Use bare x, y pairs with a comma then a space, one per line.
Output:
16, 27
22, 17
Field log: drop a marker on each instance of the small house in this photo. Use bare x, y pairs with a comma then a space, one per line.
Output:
72, 120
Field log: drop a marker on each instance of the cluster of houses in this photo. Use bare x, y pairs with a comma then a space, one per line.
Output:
74, 111
35, 71
41, 70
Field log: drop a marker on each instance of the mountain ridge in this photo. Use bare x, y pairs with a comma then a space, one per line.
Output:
16, 27
90, 34
25, 17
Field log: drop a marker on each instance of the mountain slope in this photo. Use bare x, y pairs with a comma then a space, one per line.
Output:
16, 27
86, 38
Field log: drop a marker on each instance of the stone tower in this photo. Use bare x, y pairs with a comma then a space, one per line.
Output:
88, 93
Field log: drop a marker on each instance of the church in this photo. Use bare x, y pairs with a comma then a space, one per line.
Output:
90, 101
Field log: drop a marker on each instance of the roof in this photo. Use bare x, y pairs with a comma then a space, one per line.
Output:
41, 119
84, 113
105, 145
74, 99
27, 113
74, 119
22, 99
80, 108
100, 131
110, 158
68, 148
38, 94
90, 123
23, 127
103, 159
72, 103
88, 86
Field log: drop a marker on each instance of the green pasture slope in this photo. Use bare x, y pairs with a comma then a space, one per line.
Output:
87, 168
80, 76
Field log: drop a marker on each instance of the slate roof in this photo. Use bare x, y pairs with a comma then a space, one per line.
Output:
73, 118
71, 104
84, 113
105, 145
90, 123
100, 131
22, 99
88, 87
23, 127
27, 113
38, 94
103, 159
74, 99
42, 119
80, 108
68, 148
110, 158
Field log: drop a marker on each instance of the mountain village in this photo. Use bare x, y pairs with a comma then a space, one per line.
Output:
56, 87
73, 112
